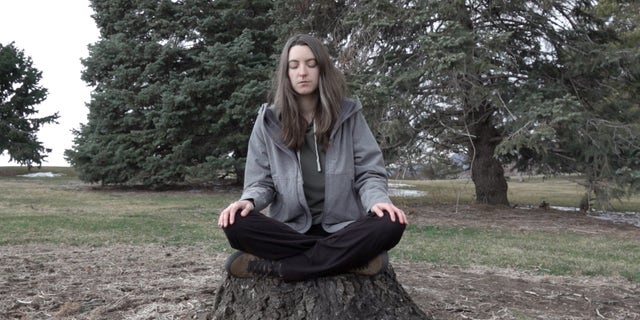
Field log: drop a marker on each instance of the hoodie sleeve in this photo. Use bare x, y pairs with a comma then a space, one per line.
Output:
258, 183
370, 172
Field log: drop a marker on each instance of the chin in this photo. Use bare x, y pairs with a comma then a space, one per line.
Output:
306, 92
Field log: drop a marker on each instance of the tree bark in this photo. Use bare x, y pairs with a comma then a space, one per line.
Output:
346, 296
488, 177
487, 172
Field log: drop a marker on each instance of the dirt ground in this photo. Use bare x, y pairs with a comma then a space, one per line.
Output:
156, 282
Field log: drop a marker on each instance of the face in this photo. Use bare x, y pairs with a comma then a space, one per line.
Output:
303, 70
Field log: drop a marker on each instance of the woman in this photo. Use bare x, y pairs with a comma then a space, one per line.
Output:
314, 161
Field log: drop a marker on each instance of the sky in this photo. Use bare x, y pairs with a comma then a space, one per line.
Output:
55, 34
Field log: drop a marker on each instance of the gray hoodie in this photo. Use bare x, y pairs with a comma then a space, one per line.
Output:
355, 176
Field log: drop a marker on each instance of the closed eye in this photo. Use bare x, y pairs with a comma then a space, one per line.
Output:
311, 63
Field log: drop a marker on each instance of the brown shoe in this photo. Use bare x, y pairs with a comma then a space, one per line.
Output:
373, 267
245, 265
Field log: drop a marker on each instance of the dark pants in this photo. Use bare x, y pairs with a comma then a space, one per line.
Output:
315, 253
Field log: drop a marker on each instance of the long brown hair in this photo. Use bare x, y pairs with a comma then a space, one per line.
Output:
331, 90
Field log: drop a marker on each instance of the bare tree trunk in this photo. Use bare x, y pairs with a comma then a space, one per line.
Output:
486, 171
341, 297
488, 176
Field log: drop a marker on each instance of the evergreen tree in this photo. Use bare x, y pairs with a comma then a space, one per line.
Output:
20, 93
176, 88
548, 85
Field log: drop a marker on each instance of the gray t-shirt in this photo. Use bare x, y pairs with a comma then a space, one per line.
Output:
312, 177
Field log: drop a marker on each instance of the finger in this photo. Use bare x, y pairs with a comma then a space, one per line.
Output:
248, 207
377, 211
391, 210
222, 219
402, 217
232, 215
392, 215
380, 209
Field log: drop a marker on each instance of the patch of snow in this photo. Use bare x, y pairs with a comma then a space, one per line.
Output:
399, 185
632, 218
41, 175
406, 193
395, 190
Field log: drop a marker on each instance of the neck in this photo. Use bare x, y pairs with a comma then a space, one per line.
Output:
307, 105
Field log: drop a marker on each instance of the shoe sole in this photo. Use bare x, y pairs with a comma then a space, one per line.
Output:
375, 266
237, 264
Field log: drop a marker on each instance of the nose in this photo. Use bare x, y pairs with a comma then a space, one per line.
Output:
302, 70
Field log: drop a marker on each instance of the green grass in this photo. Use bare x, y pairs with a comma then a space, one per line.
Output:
557, 253
63, 210
560, 191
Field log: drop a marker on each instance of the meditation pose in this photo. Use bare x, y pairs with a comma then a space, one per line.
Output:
313, 161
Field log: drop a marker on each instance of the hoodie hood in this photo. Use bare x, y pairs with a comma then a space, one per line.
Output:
270, 114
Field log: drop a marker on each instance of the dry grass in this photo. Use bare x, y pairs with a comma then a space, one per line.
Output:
557, 253
563, 191
66, 211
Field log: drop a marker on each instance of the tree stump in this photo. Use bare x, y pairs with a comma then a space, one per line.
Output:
346, 296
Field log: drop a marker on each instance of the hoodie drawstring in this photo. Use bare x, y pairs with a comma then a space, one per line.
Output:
315, 142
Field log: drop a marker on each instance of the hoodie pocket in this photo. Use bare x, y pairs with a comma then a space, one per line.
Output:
286, 205
342, 202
